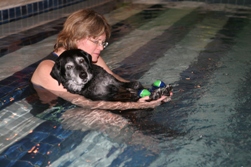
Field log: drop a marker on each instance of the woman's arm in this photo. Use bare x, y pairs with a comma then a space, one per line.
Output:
41, 77
107, 105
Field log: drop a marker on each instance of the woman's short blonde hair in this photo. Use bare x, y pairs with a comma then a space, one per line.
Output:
82, 24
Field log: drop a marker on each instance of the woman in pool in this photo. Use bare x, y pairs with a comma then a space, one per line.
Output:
86, 30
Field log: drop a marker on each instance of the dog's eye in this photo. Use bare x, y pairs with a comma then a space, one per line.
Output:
81, 61
68, 67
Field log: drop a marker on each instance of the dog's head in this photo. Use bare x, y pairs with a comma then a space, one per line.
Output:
73, 69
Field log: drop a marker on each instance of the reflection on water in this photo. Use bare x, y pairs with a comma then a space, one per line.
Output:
214, 115
118, 127
128, 127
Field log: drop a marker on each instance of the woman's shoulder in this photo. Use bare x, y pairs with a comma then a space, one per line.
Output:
48, 61
42, 71
52, 56
42, 77
45, 67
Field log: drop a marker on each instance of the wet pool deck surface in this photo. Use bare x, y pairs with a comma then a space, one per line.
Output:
19, 146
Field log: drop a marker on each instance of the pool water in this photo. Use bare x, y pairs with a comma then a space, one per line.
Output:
203, 50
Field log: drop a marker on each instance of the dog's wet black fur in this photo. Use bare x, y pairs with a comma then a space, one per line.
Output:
76, 72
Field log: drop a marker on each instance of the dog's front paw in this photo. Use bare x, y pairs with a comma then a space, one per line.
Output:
167, 91
157, 93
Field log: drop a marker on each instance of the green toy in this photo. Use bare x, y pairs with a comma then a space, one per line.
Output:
147, 92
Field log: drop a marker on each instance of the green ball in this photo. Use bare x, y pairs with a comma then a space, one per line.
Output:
144, 92
159, 84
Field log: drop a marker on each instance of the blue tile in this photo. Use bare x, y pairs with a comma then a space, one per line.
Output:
41, 6
65, 2
35, 159
4, 161
12, 13
55, 3
29, 10
22, 164
24, 10
15, 154
1, 16
46, 127
25, 144
8, 81
36, 136
35, 7
44, 148
65, 134
4, 90
50, 4
5, 15
60, 2
243, 2
55, 152
18, 12
52, 140
233, 1
45, 5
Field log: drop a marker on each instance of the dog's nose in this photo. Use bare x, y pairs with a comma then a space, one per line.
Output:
83, 75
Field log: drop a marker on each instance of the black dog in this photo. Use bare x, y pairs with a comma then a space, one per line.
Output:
76, 72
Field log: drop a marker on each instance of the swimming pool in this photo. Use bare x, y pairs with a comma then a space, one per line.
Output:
201, 49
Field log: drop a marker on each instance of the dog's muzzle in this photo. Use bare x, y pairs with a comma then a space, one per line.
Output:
83, 75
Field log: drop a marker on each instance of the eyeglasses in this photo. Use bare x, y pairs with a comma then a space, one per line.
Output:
100, 43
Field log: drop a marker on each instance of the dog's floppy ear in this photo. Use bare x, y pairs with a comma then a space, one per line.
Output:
55, 72
88, 57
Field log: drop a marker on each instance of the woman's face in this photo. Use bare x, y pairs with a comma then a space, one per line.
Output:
92, 46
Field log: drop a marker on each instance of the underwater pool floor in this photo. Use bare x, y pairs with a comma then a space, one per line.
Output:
201, 49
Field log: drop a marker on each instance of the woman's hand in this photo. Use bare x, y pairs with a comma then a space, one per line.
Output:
162, 99
144, 99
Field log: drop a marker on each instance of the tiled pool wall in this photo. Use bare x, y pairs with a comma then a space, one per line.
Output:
30, 9
34, 8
